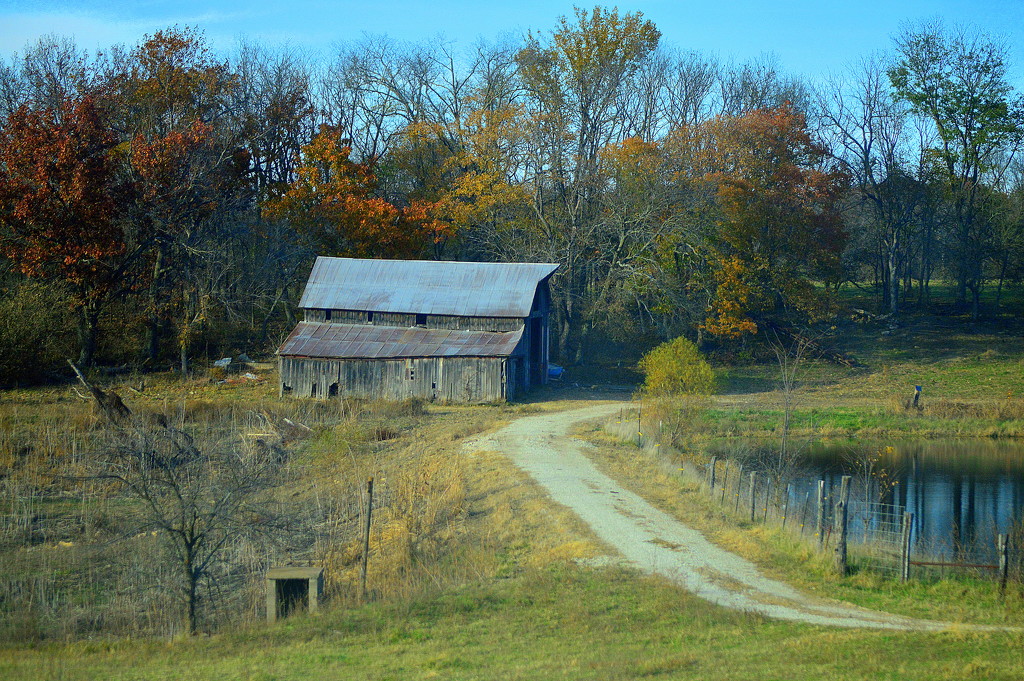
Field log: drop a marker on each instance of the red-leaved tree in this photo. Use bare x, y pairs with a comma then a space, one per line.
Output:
779, 227
63, 207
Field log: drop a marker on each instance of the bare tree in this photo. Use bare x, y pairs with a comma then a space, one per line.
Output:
791, 352
691, 82
198, 497
869, 133
760, 84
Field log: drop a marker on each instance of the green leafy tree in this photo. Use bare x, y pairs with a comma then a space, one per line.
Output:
958, 81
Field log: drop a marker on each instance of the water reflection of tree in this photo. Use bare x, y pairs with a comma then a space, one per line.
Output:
875, 478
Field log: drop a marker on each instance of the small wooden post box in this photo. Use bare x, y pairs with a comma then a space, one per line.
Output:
293, 588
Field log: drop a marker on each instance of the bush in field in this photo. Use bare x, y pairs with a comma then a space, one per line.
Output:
678, 380
675, 369
35, 332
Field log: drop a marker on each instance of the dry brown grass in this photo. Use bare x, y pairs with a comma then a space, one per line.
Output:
447, 513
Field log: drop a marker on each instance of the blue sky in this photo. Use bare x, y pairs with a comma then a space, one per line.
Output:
809, 37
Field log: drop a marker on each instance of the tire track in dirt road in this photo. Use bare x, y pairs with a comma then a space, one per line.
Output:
654, 542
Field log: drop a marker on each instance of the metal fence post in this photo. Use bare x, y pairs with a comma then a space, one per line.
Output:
1003, 546
366, 536
819, 525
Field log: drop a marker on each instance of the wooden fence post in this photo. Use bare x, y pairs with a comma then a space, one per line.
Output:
844, 489
725, 479
711, 474
366, 534
908, 523
753, 493
1003, 546
839, 523
739, 488
767, 497
819, 525
639, 424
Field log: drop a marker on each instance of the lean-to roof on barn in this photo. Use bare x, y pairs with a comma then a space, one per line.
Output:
362, 341
465, 289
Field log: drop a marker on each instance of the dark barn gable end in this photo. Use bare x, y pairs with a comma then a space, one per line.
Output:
437, 330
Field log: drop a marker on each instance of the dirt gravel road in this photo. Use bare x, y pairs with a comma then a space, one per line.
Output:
657, 543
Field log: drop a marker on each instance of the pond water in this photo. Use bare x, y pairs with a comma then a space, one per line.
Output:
963, 493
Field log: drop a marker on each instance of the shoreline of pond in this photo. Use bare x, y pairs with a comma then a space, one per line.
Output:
963, 491
853, 421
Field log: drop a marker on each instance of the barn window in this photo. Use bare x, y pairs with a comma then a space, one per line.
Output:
421, 320
327, 315
410, 373
369, 318
332, 390
312, 390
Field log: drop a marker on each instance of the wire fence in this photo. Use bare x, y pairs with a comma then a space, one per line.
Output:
876, 536
870, 535
877, 529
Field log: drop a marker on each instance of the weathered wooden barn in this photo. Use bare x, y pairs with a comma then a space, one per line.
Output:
394, 329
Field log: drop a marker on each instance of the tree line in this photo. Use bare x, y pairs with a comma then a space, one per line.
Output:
169, 199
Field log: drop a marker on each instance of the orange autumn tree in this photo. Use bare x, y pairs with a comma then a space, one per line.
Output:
333, 207
462, 174
63, 208
778, 229
483, 192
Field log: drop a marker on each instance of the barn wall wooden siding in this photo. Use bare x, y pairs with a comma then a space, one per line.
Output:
443, 379
432, 321
448, 379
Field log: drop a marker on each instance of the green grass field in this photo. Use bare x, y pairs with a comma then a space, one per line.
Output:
560, 622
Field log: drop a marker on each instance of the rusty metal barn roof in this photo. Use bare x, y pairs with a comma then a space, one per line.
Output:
361, 341
465, 289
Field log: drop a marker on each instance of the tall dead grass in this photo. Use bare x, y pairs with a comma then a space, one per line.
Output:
71, 563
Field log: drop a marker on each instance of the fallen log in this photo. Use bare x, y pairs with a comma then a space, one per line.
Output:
109, 402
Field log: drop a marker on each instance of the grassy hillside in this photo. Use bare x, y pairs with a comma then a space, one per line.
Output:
475, 575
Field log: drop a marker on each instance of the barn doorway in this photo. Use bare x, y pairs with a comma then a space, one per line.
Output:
537, 367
